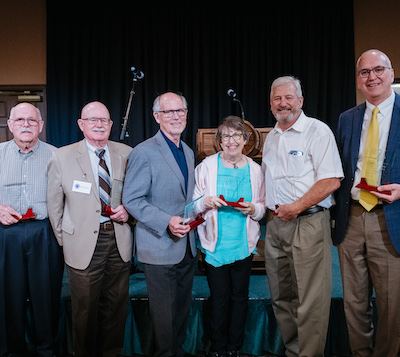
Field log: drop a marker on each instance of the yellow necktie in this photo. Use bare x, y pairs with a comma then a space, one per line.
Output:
370, 164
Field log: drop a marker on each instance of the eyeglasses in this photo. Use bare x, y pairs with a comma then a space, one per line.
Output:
171, 113
30, 121
378, 71
226, 137
94, 121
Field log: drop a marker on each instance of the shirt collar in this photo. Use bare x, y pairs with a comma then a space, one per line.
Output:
385, 107
34, 149
171, 144
93, 149
299, 125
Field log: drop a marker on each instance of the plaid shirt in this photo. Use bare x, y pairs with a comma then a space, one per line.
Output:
23, 177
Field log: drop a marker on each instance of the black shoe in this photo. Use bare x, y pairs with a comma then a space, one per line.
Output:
232, 354
216, 354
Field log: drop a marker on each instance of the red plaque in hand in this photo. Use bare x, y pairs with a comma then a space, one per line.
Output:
231, 203
28, 215
199, 220
274, 213
363, 185
107, 211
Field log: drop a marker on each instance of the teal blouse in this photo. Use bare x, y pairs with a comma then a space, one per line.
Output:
232, 233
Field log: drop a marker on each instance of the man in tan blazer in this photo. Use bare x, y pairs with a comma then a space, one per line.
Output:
97, 244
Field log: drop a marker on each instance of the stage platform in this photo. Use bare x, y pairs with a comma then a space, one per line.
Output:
262, 335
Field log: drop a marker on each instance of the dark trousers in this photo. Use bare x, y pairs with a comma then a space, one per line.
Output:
229, 287
170, 296
99, 299
31, 267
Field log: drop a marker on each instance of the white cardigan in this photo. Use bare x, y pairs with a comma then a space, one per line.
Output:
206, 185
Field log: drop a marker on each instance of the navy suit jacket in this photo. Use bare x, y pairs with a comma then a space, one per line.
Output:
348, 138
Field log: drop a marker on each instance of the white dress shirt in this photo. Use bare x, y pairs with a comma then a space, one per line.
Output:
384, 118
295, 159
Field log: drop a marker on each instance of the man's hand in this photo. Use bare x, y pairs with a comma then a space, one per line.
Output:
394, 189
6, 215
120, 214
177, 228
288, 212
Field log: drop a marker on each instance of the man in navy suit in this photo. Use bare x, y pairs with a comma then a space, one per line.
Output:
369, 241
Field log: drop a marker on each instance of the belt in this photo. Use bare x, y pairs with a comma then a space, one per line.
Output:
311, 210
357, 203
107, 226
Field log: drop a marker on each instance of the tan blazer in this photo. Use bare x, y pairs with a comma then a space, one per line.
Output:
75, 215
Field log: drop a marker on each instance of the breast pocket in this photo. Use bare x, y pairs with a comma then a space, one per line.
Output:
295, 163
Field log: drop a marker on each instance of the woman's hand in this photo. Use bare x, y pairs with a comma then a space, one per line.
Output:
248, 208
213, 202
394, 192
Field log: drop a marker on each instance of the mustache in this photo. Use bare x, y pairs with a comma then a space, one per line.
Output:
284, 108
25, 130
100, 130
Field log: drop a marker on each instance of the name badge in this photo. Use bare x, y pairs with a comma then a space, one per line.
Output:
81, 187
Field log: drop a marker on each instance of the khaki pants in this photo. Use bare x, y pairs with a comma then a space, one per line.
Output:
368, 260
298, 264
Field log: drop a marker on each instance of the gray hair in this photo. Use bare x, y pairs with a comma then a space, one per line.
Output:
287, 79
156, 103
13, 110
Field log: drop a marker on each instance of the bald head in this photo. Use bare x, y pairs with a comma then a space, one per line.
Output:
377, 53
95, 108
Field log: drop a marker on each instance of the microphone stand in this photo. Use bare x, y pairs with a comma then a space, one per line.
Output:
241, 106
232, 94
124, 130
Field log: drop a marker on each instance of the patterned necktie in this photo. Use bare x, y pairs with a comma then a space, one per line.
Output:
104, 180
370, 164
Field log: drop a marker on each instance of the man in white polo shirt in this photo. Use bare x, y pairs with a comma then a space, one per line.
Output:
302, 168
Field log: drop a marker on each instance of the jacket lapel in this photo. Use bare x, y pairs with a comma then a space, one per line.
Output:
393, 139
84, 162
190, 165
170, 159
356, 135
115, 160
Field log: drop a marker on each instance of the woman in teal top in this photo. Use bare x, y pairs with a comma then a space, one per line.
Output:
229, 234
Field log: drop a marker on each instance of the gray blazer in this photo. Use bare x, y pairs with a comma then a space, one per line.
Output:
154, 191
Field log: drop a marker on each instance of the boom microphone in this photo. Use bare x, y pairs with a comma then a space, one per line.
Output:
138, 74
231, 93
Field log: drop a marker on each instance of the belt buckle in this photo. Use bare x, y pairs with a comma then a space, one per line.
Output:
107, 226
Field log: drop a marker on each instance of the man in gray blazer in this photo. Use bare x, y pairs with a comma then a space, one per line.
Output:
97, 243
159, 183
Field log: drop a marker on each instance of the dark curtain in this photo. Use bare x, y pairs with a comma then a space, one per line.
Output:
199, 49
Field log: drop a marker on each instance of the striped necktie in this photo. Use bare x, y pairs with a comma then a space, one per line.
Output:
370, 164
104, 180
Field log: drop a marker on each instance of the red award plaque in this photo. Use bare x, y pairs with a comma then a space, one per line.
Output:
364, 186
231, 203
107, 211
28, 215
194, 224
